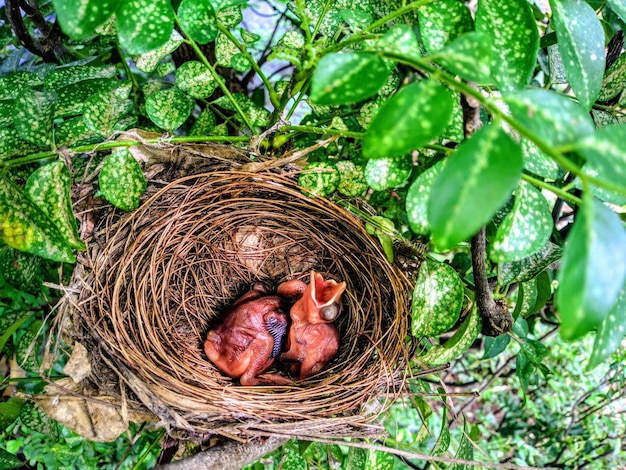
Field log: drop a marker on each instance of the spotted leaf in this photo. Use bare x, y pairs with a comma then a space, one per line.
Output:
80, 18
195, 79
460, 342
103, 111
352, 180
34, 418
49, 187
20, 270
121, 180
25, 227
437, 299
319, 179
417, 199
6, 112
71, 99
554, 118
614, 80
399, 40
538, 163
169, 109
604, 152
12, 144
476, 181
34, 115
581, 44
410, 119
348, 77
386, 173
144, 25
619, 7
74, 131
27, 350
525, 229
204, 124
197, 19
65, 76
443, 21
528, 268
514, 37
593, 269
15, 83
469, 56
149, 61
228, 54
610, 332
256, 114
229, 16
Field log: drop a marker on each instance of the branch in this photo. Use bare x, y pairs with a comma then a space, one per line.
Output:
44, 49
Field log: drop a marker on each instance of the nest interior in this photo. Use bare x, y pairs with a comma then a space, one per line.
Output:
156, 280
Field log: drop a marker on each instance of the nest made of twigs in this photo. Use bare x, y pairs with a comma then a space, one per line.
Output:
156, 280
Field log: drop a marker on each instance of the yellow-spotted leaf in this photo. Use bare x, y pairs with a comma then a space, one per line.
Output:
417, 199
121, 180
538, 163
614, 80
525, 229
195, 79
460, 342
169, 109
149, 61
25, 227
12, 144
71, 99
103, 111
437, 299
476, 181
144, 25
197, 18
20, 270
386, 173
529, 267
228, 54
611, 331
410, 119
468, 56
593, 269
74, 131
514, 37
553, 117
34, 115
80, 18
443, 21
352, 180
12, 85
256, 114
49, 187
581, 44
401, 39
348, 77
65, 76
204, 124
319, 179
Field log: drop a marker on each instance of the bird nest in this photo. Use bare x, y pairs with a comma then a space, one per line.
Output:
154, 281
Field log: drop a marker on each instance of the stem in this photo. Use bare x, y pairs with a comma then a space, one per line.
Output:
323, 130
218, 78
270, 89
556, 190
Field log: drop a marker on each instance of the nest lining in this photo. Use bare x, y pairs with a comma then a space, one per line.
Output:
166, 273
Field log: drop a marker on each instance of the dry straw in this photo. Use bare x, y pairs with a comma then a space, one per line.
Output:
155, 280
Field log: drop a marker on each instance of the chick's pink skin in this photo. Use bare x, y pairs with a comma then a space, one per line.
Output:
242, 346
313, 340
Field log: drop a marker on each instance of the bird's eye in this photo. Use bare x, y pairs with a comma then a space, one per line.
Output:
330, 312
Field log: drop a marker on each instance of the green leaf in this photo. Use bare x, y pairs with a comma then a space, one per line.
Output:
418, 196
27, 349
410, 119
144, 25
460, 342
554, 118
610, 332
469, 56
515, 40
614, 80
8, 460
204, 124
348, 77
104, 110
49, 187
227, 54
525, 229
494, 346
524, 369
581, 44
10, 321
399, 40
292, 460
593, 269
382, 234
352, 180
355, 459
197, 18
465, 450
319, 179
357, 20
606, 159
74, 131
7, 110
528, 268
11, 144
443, 441
386, 173
258, 115
377, 460
12, 85
36, 420
534, 350
195, 79
34, 115
80, 18
619, 7
443, 21
21, 271
538, 163
230, 17
121, 180
437, 299
474, 184
149, 61
169, 109
526, 299
25, 227
9, 412
71, 99
65, 76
